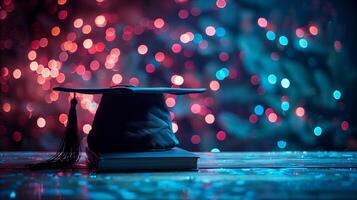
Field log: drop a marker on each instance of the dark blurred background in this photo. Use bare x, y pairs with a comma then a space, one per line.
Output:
280, 74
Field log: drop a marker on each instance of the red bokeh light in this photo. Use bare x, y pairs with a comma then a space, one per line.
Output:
221, 135
195, 139
159, 56
313, 30
176, 48
17, 136
344, 125
253, 118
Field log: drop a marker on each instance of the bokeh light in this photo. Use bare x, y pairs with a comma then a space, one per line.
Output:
210, 31
285, 83
303, 43
285, 106
78, 23
117, 79
195, 139
221, 3
345, 125
159, 56
87, 43
259, 110
272, 79
272, 117
55, 31
176, 48
300, 111
317, 130
337, 94
177, 79
159, 23
142, 49
100, 21
41, 122
262, 22
87, 128
283, 40
221, 135
270, 35
209, 119
313, 30
214, 85
17, 73
282, 144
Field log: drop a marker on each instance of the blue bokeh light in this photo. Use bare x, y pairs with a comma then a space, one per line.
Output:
220, 32
258, 109
197, 38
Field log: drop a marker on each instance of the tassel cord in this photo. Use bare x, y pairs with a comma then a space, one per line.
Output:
68, 153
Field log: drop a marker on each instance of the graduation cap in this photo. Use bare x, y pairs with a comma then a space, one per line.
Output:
128, 119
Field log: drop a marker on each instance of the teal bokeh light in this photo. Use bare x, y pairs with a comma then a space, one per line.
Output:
222, 73
303, 43
317, 131
270, 35
283, 40
337, 94
272, 79
281, 144
285, 105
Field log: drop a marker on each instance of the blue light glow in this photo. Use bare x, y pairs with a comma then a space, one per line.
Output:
285, 83
272, 79
258, 109
225, 71
215, 150
197, 38
283, 40
270, 35
337, 94
317, 131
303, 43
222, 73
285, 105
281, 144
220, 32
13, 195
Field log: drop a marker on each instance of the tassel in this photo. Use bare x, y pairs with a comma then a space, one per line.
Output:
69, 151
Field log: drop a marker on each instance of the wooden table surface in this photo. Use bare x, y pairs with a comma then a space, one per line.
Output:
225, 175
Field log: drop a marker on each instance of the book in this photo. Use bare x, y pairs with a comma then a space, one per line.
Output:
175, 159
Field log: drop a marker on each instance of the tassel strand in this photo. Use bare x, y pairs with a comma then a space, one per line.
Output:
68, 153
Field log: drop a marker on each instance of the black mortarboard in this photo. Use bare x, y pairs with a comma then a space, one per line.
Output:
128, 118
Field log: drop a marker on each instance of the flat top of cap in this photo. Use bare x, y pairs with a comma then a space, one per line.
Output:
132, 89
